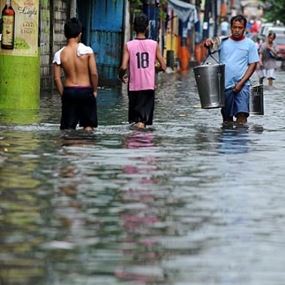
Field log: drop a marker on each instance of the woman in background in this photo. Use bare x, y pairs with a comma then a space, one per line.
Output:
268, 56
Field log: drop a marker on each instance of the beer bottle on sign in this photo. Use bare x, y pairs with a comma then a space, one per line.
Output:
8, 28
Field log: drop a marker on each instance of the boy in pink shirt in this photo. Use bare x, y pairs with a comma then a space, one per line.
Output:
139, 59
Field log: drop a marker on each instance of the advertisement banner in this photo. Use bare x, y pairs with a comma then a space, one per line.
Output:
20, 27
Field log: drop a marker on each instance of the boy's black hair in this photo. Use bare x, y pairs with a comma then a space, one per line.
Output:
72, 28
140, 23
239, 18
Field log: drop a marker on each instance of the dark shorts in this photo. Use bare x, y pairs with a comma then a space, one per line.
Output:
141, 106
78, 106
236, 102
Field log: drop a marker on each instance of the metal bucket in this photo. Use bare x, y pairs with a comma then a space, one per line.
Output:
256, 104
210, 79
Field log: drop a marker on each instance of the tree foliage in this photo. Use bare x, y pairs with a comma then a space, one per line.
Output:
137, 5
275, 10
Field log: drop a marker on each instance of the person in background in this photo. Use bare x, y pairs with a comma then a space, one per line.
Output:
79, 89
240, 56
138, 70
255, 27
268, 55
225, 27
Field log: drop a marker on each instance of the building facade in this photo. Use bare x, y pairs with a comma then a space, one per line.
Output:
53, 14
103, 30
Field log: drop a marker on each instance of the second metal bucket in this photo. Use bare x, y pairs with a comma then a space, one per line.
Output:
256, 105
210, 79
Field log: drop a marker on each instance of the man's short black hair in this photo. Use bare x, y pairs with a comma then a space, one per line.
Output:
72, 28
239, 18
140, 23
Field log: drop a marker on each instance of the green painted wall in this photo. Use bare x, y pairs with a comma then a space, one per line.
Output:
19, 82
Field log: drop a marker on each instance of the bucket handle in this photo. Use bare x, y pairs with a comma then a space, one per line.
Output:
210, 54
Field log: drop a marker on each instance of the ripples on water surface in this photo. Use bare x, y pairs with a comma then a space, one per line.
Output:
185, 202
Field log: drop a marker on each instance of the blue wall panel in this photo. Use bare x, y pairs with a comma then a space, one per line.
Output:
106, 37
107, 15
107, 46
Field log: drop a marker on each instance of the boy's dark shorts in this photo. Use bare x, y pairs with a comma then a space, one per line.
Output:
141, 106
78, 106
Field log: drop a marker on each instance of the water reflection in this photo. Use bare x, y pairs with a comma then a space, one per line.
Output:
140, 139
230, 139
182, 203
234, 140
237, 139
140, 214
20, 210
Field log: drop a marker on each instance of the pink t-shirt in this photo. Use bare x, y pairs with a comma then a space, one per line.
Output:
142, 64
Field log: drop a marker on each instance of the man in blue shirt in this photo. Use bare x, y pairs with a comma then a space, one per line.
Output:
240, 56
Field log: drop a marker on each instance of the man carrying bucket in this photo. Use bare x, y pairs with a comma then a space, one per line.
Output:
240, 56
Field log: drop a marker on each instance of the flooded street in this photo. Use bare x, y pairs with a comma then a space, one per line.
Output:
184, 202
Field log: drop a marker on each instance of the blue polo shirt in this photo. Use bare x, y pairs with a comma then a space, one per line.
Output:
237, 55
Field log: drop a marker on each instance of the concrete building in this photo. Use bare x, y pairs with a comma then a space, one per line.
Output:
53, 14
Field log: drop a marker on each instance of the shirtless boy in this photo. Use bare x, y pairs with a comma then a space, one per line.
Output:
79, 89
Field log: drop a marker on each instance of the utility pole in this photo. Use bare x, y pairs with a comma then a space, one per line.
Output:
215, 16
206, 21
20, 60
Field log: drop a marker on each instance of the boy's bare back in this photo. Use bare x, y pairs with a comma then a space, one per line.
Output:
79, 69
76, 68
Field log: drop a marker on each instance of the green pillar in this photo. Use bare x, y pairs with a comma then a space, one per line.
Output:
20, 63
